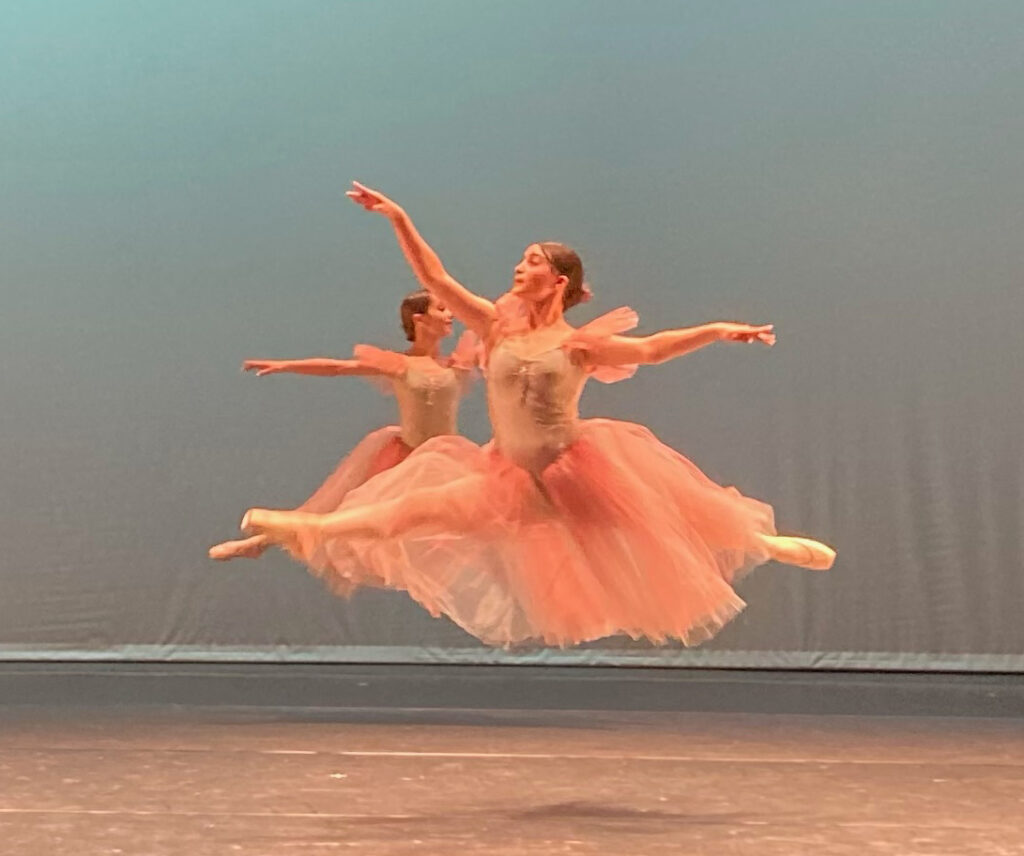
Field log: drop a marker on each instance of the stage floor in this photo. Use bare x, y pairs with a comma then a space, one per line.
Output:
90, 776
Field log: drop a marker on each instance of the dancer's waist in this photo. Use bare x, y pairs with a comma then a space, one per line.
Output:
539, 447
416, 434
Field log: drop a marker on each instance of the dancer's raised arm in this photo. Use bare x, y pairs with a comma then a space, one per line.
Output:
474, 311
669, 344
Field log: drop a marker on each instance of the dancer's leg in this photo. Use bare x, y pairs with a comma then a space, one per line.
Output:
325, 498
452, 507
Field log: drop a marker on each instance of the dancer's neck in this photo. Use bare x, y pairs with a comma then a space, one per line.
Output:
425, 346
546, 313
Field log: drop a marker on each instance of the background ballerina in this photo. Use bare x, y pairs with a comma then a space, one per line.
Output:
427, 387
561, 529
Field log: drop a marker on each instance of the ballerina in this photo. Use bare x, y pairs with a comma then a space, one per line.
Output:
426, 385
561, 529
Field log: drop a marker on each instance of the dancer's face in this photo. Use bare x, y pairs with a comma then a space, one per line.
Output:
534, 278
437, 320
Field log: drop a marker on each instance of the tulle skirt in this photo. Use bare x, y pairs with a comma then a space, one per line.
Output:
378, 451
620, 534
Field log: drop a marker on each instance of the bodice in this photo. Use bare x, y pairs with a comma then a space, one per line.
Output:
428, 401
533, 398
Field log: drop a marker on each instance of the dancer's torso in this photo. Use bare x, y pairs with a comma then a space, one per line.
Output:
533, 392
428, 401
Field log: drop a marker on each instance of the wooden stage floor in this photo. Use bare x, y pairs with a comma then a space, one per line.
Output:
126, 776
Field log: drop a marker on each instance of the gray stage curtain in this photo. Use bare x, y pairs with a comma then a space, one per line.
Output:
171, 203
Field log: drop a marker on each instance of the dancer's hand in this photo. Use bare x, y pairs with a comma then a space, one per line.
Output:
373, 201
733, 332
264, 367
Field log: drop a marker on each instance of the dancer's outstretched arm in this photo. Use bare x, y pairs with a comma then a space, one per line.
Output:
669, 344
474, 311
319, 366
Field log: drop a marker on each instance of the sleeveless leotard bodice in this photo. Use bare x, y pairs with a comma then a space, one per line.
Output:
428, 401
533, 399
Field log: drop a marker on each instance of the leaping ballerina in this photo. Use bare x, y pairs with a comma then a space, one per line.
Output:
561, 529
427, 387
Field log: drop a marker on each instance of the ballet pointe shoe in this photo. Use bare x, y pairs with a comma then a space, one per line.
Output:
259, 521
279, 527
801, 552
247, 548
814, 556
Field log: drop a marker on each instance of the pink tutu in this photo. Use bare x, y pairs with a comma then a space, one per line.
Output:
621, 534
378, 451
